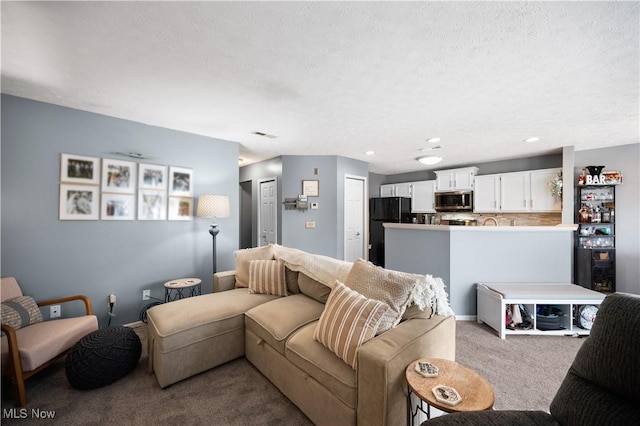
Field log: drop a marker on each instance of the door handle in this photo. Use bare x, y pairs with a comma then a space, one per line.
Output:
357, 234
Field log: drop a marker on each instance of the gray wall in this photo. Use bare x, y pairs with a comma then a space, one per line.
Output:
327, 238
625, 158
53, 258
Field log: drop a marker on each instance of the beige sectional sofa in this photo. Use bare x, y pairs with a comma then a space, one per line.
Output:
276, 334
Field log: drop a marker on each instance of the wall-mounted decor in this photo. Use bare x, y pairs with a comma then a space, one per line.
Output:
152, 205
152, 176
118, 176
78, 202
180, 208
117, 207
79, 169
311, 188
180, 182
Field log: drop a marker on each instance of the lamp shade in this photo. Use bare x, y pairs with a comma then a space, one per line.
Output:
213, 206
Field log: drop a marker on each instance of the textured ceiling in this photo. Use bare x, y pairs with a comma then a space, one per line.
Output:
338, 78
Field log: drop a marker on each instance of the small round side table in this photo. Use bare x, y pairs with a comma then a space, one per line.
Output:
181, 288
475, 391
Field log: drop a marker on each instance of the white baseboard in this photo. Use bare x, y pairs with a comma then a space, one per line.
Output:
466, 317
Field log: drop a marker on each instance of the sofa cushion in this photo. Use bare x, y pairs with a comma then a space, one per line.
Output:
312, 288
274, 322
414, 311
391, 287
348, 321
267, 277
183, 322
322, 364
291, 277
20, 312
244, 258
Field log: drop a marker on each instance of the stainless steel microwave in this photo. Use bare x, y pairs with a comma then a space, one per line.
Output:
458, 201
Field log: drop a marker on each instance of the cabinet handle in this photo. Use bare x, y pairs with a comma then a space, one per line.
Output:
495, 204
531, 203
455, 183
524, 203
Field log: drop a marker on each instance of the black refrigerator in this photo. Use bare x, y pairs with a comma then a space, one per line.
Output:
381, 210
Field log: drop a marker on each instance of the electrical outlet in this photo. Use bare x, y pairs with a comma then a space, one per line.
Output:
54, 311
111, 299
146, 294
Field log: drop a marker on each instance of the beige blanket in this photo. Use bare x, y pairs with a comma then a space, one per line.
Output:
321, 268
429, 291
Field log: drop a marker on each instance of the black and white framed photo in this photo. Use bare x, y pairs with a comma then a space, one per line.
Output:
152, 204
118, 176
78, 202
180, 182
117, 207
152, 176
180, 208
79, 169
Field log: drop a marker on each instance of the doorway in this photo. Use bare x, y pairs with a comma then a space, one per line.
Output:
246, 215
268, 213
355, 225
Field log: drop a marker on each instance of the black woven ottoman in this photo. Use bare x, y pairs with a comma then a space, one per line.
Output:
102, 357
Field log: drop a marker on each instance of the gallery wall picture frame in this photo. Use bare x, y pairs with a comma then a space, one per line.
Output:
311, 188
180, 182
152, 204
79, 169
79, 202
180, 208
117, 206
152, 176
118, 176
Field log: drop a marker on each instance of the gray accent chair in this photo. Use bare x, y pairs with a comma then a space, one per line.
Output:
602, 386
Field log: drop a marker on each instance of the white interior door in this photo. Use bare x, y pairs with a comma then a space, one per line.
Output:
268, 216
354, 218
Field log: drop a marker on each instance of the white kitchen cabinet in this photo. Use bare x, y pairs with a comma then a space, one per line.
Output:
526, 191
514, 192
486, 194
422, 196
455, 179
387, 190
542, 200
403, 189
396, 190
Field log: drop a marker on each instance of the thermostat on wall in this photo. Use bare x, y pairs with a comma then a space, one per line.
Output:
314, 205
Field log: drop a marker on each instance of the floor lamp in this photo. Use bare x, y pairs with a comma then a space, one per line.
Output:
213, 206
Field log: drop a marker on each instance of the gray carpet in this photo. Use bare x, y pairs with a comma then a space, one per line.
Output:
525, 372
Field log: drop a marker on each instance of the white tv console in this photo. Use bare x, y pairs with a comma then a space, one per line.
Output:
493, 299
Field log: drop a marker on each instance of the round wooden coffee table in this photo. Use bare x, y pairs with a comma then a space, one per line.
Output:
476, 392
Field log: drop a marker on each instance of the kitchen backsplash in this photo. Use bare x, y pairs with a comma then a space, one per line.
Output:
509, 219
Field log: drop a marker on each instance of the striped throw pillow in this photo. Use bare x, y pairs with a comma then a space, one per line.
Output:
349, 320
267, 277
20, 312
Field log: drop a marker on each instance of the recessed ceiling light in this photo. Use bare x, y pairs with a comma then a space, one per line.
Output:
532, 139
429, 161
433, 140
370, 152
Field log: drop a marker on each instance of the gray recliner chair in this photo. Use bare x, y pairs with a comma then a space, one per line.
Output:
602, 386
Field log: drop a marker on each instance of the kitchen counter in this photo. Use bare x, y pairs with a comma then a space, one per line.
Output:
425, 227
466, 255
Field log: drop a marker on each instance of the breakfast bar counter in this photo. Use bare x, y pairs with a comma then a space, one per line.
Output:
466, 255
